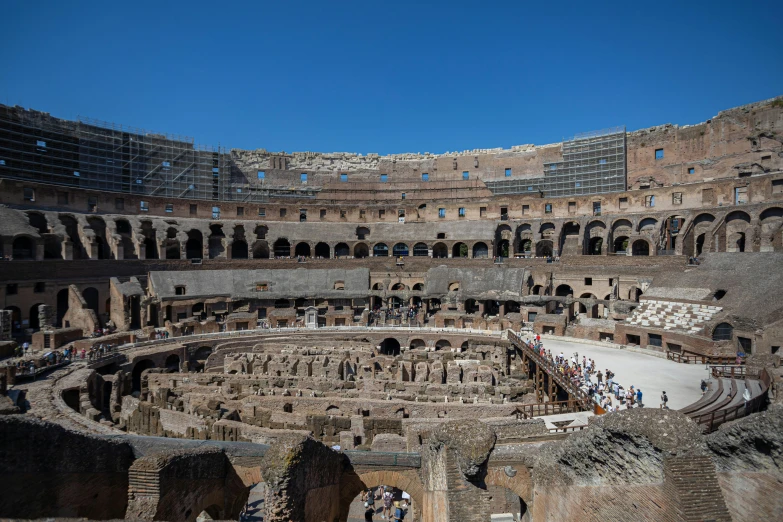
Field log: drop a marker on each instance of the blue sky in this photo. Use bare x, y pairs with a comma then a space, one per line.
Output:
388, 77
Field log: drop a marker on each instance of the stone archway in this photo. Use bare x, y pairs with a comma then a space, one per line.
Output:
516, 479
353, 483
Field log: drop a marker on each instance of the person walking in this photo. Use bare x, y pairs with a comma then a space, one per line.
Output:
639, 397
664, 401
703, 386
600, 377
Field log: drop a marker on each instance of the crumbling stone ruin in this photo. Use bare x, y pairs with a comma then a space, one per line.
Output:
202, 328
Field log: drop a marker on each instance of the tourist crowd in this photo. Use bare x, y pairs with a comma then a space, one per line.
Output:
601, 387
391, 502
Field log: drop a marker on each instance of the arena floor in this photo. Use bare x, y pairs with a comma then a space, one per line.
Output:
650, 373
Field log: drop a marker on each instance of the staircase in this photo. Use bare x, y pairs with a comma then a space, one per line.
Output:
688, 318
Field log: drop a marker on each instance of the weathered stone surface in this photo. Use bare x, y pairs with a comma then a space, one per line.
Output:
623, 447
753, 444
471, 441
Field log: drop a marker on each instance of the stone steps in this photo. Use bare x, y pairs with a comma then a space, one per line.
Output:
672, 315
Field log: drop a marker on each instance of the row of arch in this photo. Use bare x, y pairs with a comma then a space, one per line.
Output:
597, 237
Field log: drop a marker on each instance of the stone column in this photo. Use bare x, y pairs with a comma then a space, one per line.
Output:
39, 249
67, 249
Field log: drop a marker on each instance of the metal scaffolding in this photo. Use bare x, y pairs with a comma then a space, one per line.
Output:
593, 163
103, 156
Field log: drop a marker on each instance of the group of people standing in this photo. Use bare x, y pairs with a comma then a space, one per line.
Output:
392, 503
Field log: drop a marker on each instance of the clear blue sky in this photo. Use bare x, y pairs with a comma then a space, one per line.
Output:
392, 76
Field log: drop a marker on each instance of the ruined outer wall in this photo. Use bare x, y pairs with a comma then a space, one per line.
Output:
746, 139
49, 471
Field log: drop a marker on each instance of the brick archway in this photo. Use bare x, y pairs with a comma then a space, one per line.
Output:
521, 483
353, 483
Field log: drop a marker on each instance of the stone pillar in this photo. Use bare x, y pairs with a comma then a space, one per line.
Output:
502, 309
141, 248
481, 308
47, 315
92, 250
67, 249
39, 249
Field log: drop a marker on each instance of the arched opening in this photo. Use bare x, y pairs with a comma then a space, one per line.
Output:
354, 508
480, 251
98, 226
564, 291
23, 248
362, 233
536, 290
400, 250
471, 306
38, 221
323, 251
282, 303
53, 248
723, 332
503, 248
34, 321
419, 287
700, 244
505, 504
439, 251
641, 248
62, 306
390, 346
417, 344
594, 248
261, 250
282, 248
620, 244
399, 287
150, 248
526, 246
420, 250
441, 344
648, 225
91, 297
199, 359
172, 363
343, 250
459, 250
239, 249
380, 250
512, 307
569, 239
138, 368
194, 247
544, 248
172, 243
71, 398
123, 226
72, 229
197, 309
216, 238
302, 249
360, 251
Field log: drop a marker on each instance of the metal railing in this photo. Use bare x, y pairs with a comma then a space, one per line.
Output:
580, 397
710, 421
697, 358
